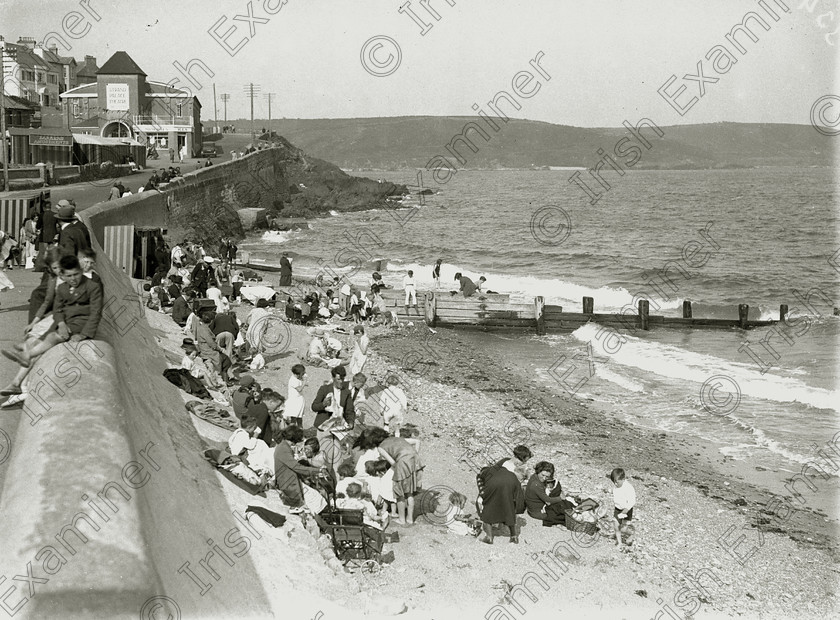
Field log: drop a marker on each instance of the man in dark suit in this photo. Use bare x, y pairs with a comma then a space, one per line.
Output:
182, 307
328, 395
74, 236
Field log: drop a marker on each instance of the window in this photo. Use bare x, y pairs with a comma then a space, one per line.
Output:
180, 109
52, 79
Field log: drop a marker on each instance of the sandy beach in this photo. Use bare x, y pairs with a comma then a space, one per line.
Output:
714, 537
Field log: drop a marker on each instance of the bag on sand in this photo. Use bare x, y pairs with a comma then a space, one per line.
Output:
258, 363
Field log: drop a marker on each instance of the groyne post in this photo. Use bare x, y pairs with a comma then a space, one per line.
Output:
644, 314
539, 315
783, 311
430, 308
588, 305
743, 311
686, 309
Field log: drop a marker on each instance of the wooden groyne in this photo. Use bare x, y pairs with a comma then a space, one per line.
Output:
499, 311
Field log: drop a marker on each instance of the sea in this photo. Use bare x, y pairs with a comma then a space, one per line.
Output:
718, 238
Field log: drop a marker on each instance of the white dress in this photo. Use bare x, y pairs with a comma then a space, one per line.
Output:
294, 399
357, 361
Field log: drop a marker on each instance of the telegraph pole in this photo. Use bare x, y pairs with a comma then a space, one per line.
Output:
215, 111
251, 90
269, 97
5, 154
225, 98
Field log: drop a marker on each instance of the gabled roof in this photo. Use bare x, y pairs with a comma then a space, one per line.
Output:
120, 64
67, 60
18, 103
26, 58
49, 55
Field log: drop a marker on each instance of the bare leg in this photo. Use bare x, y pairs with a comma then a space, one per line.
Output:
409, 516
617, 527
488, 533
401, 511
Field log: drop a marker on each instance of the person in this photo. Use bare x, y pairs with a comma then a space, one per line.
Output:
171, 155
197, 367
208, 163
257, 411
354, 501
222, 270
333, 400
410, 291
360, 350
49, 226
208, 348
178, 255
288, 471
225, 327
624, 498
436, 273
241, 398
516, 464
344, 298
379, 476
346, 477
405, 461
500, 499
481, 282
394, 405
376, 280
545, 507
468, 287
214, 293
182, 154
202, 275
73, 236
285, 270
182, 307
295, 404
87, 261
77, 312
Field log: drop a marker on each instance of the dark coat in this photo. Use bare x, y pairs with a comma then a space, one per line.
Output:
285, 272
180, 311
287, 472
319, 406
80, 310
73, 238
502, 495
49, 227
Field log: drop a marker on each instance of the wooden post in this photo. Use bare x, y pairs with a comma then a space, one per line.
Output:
686, 309
588, 305
644, 312
837, 312
539, 315
743, 311
783, 311
430, 309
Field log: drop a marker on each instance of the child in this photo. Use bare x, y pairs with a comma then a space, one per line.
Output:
294, 397
382, 484
194, 365
77, 312
87, 261
456, 521
394, 405
624, 498
346, 476
354, 501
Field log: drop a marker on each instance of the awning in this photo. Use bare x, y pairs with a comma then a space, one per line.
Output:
82, 138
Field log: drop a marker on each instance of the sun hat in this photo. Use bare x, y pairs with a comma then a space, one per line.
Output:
209, 259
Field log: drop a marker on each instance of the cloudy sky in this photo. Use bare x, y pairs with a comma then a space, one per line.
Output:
603, 61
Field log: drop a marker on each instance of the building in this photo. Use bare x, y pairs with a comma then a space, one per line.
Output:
19, 112
27, 75
86, 73
123, 103
65, 66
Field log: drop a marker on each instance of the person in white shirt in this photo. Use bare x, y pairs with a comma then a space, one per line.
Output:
354, 501
394, 405
624, 498
410, 288
215, 293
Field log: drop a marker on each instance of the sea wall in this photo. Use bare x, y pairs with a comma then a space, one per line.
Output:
202, 205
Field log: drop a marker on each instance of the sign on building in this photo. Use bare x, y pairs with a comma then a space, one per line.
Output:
47, 140
117, 96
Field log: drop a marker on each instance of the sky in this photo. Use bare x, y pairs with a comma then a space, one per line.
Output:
602, 61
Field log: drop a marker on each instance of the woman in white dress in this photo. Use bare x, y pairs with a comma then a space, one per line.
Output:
360, 350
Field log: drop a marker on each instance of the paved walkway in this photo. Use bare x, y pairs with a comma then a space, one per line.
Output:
14, 312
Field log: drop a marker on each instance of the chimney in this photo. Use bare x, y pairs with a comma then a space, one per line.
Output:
53, 49
90, 58
28, 42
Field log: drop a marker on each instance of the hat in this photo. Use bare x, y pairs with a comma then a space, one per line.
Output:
187, 342
246, 380
66, 213
63, 203
208, 259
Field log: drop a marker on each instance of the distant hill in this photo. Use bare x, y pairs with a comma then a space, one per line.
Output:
412, 141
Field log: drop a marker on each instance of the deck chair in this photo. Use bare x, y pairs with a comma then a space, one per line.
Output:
354, 542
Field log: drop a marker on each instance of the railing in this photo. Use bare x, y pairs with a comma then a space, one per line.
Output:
161, 121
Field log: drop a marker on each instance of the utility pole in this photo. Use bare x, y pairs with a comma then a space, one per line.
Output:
5, 154
269, 97
215, 111
251, 90
225, 98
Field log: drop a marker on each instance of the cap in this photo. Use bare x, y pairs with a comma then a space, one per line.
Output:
246, 380
208, 259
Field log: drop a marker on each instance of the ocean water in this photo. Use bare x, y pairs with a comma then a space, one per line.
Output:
764, 237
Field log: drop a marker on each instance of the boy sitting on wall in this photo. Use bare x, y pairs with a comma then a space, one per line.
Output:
76, 314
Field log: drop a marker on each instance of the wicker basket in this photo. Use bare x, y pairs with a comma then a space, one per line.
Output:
574, 525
